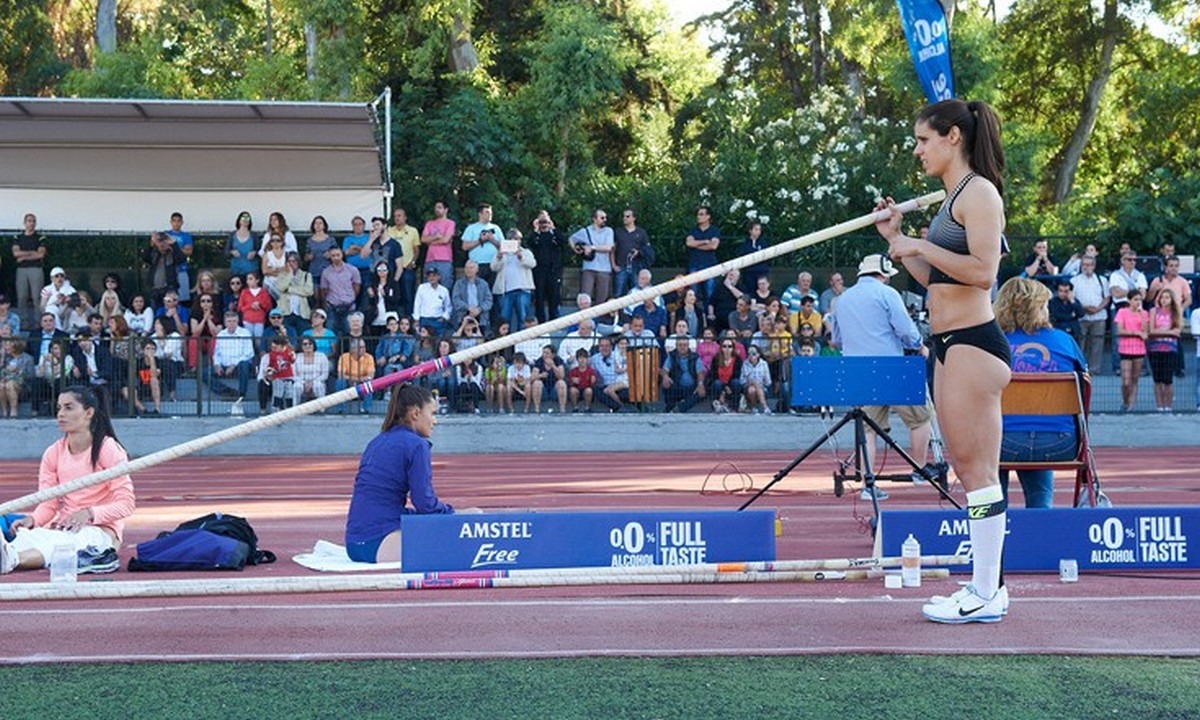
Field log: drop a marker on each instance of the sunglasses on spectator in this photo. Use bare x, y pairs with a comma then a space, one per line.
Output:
206, 301
727, 346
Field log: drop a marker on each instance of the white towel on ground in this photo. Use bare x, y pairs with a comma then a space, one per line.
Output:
331, 557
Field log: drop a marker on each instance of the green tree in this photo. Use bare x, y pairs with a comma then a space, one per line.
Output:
574, 73
334, 34
28, 64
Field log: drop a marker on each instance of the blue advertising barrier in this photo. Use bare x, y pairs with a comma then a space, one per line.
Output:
842, 380
1126, 538
520, 541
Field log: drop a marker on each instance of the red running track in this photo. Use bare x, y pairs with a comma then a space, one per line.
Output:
293, 502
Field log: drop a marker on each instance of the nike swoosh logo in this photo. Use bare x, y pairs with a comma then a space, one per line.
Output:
967, 613
946, 338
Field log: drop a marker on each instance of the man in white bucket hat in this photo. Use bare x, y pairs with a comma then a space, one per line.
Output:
869, 319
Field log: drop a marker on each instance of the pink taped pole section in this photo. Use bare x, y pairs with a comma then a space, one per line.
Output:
666, 575
425, 368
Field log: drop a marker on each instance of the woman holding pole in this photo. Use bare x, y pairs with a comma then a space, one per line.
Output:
959, 143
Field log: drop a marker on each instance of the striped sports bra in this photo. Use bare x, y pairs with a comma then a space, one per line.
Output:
946, 232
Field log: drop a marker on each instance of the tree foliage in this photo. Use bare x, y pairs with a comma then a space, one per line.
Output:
28, 63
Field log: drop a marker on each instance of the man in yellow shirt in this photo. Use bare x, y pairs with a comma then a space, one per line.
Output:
807, 314
410, 245
354, 367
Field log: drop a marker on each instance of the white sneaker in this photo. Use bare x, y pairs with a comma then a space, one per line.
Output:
236, 409
1002, 594
965, 606
8, 558
880, 494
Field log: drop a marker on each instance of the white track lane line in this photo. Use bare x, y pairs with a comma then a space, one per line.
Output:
724, 651
59, 607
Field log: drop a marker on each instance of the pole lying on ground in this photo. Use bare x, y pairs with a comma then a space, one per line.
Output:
477, 351
866, 563
666, 575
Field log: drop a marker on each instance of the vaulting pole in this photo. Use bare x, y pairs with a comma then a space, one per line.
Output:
664, 575
252, 426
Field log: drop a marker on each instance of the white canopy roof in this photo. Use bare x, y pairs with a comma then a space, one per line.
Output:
126, 165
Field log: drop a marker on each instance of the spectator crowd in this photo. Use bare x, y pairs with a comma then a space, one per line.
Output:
287, 321
1141, 302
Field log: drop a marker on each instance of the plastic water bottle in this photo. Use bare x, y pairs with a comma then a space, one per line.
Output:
910, 562
64, 564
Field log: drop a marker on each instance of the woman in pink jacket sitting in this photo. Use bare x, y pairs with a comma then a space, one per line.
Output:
89, 520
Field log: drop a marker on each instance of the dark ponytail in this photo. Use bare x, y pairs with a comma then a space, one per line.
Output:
96, 399
980, 128
405, 396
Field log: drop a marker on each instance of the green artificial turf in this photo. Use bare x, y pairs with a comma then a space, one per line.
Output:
850, 686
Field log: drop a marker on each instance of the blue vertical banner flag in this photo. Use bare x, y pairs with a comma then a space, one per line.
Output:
928, 34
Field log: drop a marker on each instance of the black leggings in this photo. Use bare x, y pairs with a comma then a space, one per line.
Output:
987, 337
1162, 367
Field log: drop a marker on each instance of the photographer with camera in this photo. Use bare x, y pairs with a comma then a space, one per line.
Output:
547, 243
1039, 261
594, 245
513, 269
161, 259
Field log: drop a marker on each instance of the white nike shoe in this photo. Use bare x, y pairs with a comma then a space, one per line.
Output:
965, 606
1002, 594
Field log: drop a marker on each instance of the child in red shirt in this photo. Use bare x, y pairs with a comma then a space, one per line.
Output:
280, 362
580, 381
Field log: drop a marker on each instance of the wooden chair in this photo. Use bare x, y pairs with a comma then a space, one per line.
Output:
1064, 393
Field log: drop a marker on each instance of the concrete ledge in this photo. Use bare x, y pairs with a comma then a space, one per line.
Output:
348, 435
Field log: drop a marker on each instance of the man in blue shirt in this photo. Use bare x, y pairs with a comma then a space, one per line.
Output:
183, 241
870, 320
654, 317
481, 240
702, 243
352, 246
